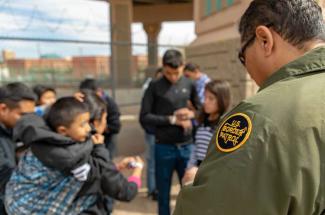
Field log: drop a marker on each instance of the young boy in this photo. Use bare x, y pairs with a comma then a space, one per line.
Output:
52, 176
15, 99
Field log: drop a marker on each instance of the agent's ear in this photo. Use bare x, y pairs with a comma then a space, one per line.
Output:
62, 130
265, 39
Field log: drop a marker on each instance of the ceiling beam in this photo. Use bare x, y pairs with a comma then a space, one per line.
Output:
163, 12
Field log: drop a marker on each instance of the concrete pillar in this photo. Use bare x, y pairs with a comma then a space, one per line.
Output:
121, 20
152, 30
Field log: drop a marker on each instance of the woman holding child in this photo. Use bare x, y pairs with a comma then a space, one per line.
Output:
67, 169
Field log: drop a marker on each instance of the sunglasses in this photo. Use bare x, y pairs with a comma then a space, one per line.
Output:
241, 53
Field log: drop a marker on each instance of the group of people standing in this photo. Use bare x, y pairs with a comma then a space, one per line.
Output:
179, 112
53, 155
265, 156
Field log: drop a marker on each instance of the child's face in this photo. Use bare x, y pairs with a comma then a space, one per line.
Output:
47, 98
210, 103
79, 129
100, 125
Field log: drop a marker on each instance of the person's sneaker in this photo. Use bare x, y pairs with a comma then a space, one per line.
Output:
153, 195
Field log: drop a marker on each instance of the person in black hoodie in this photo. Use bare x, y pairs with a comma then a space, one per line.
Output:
15, 100
113, 114
69, 152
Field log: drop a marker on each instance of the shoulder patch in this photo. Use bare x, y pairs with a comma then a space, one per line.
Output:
233, 132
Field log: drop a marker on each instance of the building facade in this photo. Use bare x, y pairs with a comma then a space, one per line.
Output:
218, 42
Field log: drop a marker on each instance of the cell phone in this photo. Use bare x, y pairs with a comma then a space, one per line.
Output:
93, 129
133, 164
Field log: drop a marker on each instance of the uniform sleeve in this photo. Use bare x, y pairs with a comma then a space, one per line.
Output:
147, 117
249, 180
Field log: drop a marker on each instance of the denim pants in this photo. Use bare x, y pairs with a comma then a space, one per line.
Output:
169, 157
150, 156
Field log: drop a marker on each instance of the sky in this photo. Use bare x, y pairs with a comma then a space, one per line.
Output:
75, 20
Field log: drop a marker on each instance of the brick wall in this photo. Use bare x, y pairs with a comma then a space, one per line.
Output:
219, 60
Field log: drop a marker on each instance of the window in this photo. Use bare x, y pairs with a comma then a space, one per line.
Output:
218, 5
230, 2
208, 7
211, 6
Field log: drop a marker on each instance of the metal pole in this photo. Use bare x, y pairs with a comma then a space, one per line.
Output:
112, 63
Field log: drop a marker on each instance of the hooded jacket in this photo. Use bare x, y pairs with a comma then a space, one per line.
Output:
7, 161
52, 149
63, 154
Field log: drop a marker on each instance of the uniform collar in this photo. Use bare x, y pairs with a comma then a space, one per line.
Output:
312, 61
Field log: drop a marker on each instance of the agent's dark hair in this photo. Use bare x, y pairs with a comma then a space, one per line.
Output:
221, 90
96, 105
296, 21
89, 84
39, 90
173, 58
64, 111
191, 67
13, 93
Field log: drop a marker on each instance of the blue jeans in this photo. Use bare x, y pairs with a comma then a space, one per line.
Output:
150, 156
169, 158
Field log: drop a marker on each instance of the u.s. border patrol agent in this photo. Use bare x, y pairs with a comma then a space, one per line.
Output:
268, 154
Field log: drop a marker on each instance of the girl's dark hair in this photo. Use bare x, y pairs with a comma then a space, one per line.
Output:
96, 105
221, 90
89, 84
39, 90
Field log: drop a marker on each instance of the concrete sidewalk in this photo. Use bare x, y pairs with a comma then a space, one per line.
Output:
141, 205
130, 143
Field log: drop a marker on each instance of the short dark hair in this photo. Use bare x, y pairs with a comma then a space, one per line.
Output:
173, 58
13, 93
39, 90
64, 111
96, 105
191, 67
89, 84
296, 21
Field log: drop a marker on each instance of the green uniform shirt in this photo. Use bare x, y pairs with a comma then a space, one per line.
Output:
267, 156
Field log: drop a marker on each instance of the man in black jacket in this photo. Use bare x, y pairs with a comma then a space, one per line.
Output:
15, 100
113, 114
62, 142
164, 106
